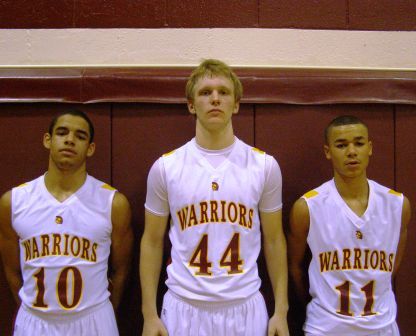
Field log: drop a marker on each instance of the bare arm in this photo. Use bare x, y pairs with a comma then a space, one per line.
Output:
299, 228
406, 214
151, 253
9, 247
121, 246
274, 244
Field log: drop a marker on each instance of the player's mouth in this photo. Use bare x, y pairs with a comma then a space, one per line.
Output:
352, 163
68, 152
215, 111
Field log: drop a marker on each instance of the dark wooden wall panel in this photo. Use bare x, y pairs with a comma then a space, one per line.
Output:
303, 14
406, 177
142, 133
24, 158
131, 136
323, 14
294, 135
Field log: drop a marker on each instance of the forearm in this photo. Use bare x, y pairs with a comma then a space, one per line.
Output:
118, 279
276, 260
151, 255
15, 282
300, 282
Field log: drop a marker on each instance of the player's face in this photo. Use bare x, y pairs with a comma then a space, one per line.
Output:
214, 102
349, 150
69, 142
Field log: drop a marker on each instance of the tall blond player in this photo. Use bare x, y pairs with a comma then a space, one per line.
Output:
219, 192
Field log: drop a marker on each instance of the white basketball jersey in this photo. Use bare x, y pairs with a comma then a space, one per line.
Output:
352, 262
215, 227
64, 246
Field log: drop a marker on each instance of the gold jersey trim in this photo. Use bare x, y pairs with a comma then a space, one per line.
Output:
393, 192
169, 153
107, 186
311, 194
258, 150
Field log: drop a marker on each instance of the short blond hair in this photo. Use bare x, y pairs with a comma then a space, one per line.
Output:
213, 68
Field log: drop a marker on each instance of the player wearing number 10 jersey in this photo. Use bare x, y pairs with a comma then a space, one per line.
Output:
356, 231
61, 228
219, 192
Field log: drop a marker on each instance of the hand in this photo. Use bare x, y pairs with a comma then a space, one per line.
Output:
278, 326
154, 327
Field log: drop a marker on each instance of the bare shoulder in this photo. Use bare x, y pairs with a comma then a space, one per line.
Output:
5, 213
6, 199
120, 201
300, 208
5, 204
120, 211
299, 216
407, 211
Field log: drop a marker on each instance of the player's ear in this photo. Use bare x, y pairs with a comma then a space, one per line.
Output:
236, 107
47, 140
326, 152
91, 149
370, 145
191, 107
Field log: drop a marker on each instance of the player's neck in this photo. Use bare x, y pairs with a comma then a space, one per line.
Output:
352, 188
214, 139
62, 184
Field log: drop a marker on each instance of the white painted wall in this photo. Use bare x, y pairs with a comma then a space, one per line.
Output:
184, 47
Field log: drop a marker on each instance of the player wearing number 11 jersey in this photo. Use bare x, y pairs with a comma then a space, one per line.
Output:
219, 192
61, 228
356, 231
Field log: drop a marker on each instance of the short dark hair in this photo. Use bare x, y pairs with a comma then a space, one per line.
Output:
213, 68
341, 121
76, 113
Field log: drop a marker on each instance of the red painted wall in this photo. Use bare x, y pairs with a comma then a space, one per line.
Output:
304, 14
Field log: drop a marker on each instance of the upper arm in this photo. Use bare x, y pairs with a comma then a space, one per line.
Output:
122, 233
406, 215
271, 224
9, 240
155, 227
156, 192
271, 198
299, 228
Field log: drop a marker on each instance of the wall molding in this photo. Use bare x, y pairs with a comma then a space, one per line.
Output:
167, 85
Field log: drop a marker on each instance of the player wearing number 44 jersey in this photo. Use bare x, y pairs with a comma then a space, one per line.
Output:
356, 231
61, 228
218, 191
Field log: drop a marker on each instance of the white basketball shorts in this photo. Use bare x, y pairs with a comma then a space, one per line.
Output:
183, 317
97, 321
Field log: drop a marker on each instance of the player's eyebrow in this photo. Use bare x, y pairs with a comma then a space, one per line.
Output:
344, 140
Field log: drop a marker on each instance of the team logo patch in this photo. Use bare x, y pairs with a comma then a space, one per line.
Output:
359, 234
215, 186
59, 220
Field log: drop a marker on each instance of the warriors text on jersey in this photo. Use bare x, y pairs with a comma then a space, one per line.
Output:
215, 226
64, 246
352, 261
